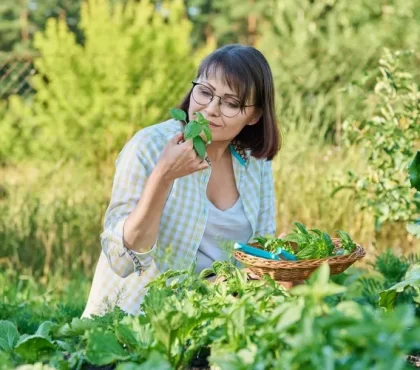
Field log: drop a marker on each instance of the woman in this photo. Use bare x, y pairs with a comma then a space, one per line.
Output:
168, 207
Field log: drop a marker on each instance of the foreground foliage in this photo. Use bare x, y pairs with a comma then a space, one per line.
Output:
233, 324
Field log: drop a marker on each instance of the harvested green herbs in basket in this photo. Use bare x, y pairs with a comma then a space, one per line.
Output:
309, 249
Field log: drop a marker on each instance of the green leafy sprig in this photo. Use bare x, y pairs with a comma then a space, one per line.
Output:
310, 244
193, 130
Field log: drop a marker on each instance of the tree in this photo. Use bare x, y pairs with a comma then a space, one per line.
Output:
12, 15
21, 19
233, 21
388, 141
135, 64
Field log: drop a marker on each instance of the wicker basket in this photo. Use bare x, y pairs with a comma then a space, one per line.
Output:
299, 270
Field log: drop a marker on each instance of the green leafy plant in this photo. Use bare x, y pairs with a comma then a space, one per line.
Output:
414, 175
346, 243
308, 244
115, 83
193, 130
233, 324
271, 244
387, 142
411, 281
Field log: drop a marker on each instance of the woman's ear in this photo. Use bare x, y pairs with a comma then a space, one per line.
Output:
255, 117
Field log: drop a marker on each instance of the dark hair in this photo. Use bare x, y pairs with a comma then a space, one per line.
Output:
247, 72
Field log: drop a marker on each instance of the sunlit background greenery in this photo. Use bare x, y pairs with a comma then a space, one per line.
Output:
78, 79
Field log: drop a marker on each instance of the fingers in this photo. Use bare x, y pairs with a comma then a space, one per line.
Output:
282, 235
177, 138
187, 155
202, 165
187, 144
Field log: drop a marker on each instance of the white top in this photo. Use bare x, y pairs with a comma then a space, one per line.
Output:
231, 224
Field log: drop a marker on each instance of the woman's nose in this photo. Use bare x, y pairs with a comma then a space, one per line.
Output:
214, 106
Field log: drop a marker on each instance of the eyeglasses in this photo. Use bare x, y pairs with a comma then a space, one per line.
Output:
229, 106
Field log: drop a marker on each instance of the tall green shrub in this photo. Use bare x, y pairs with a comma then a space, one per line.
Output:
136, 63
388, 140
321, 51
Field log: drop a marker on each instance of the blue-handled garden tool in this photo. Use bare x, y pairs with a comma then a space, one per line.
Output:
280, 254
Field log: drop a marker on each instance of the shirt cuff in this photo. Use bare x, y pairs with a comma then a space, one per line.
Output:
139, 261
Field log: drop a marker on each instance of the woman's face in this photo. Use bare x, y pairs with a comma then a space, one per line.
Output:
222, 128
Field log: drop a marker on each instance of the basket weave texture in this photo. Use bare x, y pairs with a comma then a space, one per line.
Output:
298, 270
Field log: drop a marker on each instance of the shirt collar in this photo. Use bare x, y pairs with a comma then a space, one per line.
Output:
241, 154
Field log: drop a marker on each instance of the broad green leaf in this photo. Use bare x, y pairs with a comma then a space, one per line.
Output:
329, 243
65, 346
414, 229
200, 118
316, 231
414, 172
411, 279
200, 147
46, 328
319, 287
9, 336
298, 238
103, 348
142, 330
208, 134
192, 130
178, 114
31, 346
308, 252
125, 335
76, 327
301, 228
290, 313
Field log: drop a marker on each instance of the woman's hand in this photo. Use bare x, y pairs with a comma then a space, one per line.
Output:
179, 159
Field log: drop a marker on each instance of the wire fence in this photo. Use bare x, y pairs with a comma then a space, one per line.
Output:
15, 75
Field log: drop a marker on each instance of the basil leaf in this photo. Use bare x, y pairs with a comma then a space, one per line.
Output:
329, 243
192, 130
296, 238
301, 228
207, 132
178, 114
199, 146
200, 118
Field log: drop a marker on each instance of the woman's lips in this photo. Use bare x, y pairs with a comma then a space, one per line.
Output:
213, 125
